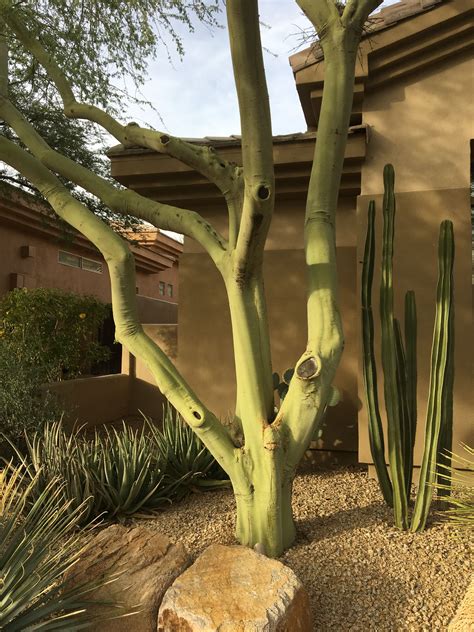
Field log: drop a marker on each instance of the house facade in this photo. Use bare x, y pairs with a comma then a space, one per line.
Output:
413, 108
38, 251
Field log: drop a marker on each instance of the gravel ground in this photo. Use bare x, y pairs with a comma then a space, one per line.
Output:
361, 573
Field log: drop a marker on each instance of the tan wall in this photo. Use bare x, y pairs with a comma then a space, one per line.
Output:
148, 284
105, 399
145, 398
94, 400
43, 270
152, 310
423, 127
205, 340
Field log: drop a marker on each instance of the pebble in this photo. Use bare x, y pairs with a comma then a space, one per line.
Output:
361, 573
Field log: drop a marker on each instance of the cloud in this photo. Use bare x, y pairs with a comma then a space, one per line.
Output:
196, 96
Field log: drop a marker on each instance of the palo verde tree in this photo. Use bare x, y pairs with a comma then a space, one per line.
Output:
262, 466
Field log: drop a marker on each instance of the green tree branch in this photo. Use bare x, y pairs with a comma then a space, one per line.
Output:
121, 201
129, 331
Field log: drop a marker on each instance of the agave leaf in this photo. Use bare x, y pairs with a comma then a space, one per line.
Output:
41, 544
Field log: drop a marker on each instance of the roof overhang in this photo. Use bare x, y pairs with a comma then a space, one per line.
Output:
403, 38
160, 177
22, 210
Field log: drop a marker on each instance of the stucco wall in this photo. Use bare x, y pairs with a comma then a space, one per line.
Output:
205, 354
22, 226
93, 400
43, 270
423, 126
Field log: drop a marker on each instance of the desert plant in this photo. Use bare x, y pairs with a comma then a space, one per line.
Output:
400, 371
281, 386
53, 331
38, 544
457, 488
187, 459
112, 475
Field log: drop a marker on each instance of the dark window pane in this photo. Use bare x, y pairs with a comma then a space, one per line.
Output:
67, 259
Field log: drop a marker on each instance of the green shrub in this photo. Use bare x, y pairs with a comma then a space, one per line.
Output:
52, 330
38, 544
25, 405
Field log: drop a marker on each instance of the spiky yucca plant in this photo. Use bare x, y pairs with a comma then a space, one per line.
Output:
187, 459
38, 544
114, 474
459, 488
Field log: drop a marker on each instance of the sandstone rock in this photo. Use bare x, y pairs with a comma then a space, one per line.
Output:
234, 589
147, 563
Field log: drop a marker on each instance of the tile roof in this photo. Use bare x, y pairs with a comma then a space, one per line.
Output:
234, 140
385, 18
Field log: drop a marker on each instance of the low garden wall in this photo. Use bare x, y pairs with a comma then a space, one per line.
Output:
103, 399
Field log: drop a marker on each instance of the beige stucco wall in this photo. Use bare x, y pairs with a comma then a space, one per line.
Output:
93, 400
423, 126
144, 395
205, 354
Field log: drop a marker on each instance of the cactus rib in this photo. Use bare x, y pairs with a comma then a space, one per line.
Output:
405, 426
411, 374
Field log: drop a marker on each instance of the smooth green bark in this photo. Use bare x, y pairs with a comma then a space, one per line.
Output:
262, 464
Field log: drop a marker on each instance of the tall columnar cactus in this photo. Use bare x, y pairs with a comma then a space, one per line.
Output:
377, 445
399, 364
440, 397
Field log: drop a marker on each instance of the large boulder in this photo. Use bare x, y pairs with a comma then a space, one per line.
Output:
146, 562
235, 589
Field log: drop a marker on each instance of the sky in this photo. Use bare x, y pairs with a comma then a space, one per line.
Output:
196, 96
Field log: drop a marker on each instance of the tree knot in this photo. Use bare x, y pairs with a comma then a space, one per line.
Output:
309, 368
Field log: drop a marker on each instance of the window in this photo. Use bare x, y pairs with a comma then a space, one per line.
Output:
91, 266
68, 259
170, 290
161, 288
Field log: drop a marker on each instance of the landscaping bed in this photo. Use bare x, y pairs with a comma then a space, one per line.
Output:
360, 572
